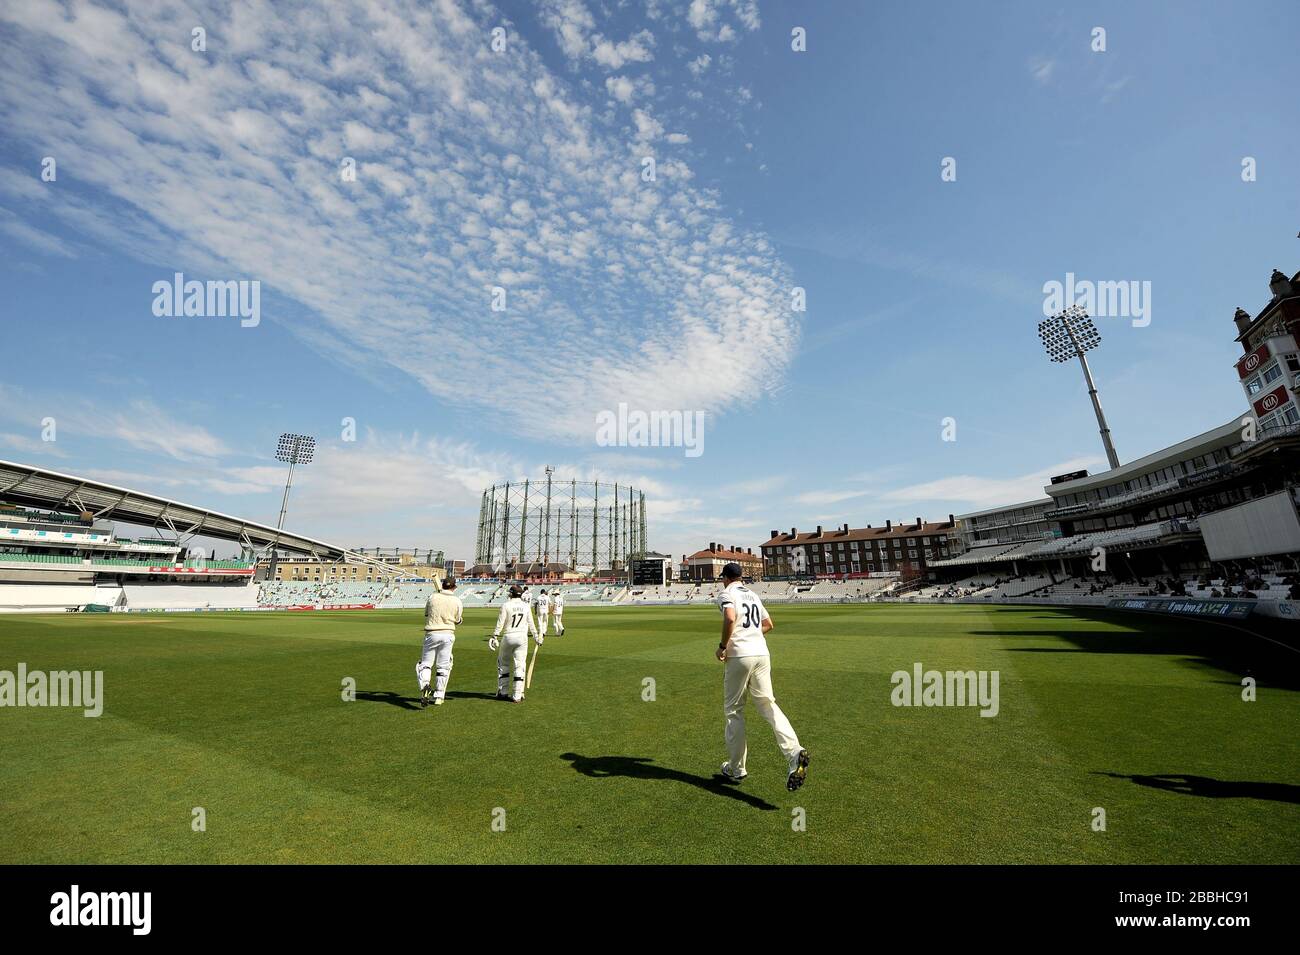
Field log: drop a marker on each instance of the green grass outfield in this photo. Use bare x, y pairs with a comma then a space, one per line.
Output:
242, 714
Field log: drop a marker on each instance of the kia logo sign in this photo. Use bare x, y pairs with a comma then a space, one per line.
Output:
1252, 362
1270, 402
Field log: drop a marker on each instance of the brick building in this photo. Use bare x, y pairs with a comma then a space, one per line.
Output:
903, 549
707, 564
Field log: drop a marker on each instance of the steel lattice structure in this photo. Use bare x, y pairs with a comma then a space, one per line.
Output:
589, 527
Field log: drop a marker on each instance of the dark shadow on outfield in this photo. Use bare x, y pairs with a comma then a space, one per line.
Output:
389, 697
638, 767
1200, 644
1214, 788
413, 702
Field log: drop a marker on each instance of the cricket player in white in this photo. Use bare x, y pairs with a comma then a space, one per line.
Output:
543, 605
443, 613
510, 640
743, 649
557, 612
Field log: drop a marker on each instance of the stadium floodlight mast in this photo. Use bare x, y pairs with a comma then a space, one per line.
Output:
293, 449
1070, 334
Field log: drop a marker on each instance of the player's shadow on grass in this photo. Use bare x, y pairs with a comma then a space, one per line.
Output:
1213, 788
389, 697
413, 702
638, 767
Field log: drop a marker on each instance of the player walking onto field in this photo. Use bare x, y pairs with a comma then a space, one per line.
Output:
442, 614
557, 612
543, 605
510, 640
745, 621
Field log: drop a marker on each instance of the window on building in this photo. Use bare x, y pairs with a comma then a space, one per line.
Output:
1272, 373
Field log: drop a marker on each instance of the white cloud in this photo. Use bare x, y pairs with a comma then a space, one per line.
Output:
1041, 69
226, 165
145, 426
979, 493
706, 17
32, 237
626, 88
647, 127
30, 445
136, 423
575, 31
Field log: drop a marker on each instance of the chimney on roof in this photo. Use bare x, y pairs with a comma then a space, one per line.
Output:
1242, 318
773, 534
712, 546
889, 525
1279, 284
952, 521
846, 527
794, 532
819, 530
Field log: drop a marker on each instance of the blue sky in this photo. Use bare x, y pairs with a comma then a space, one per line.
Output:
522, 169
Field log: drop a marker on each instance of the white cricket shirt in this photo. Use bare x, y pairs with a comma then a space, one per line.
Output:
515, 620
747, 638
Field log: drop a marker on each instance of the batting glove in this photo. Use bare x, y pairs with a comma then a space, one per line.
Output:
539, 639
494, 643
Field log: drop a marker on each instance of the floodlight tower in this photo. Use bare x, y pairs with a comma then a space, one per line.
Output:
1071, 334
294, 449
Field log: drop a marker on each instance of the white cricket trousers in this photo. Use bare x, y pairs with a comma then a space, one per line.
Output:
752, 676
559, 621
436, 657
513, 652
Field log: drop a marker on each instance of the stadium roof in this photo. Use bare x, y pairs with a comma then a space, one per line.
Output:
1220, 437
38, 487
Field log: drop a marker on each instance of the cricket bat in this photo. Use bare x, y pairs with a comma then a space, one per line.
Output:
528, 680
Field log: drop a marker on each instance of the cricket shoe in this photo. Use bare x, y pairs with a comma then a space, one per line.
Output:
727, 777
425, 695
800, 771
437, 701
